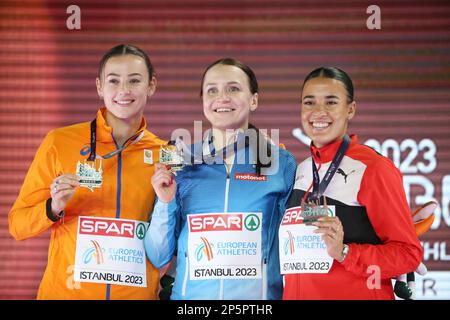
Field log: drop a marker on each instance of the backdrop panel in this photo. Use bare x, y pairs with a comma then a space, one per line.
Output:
401, 75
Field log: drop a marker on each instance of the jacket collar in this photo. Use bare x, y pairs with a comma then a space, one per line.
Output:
327, 153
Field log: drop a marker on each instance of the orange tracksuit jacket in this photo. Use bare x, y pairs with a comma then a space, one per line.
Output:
126, 193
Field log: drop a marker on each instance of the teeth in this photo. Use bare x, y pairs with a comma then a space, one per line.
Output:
320, 124
124, 102
224, 110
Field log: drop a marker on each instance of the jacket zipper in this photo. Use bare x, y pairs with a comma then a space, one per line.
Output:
183, 289
118, 194
264, 282
225, 210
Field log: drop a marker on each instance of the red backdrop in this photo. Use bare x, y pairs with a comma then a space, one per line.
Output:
401, 75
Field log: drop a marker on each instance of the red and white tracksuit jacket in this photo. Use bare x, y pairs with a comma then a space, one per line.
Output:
367, 192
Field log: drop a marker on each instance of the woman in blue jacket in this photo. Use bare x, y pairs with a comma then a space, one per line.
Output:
222, 213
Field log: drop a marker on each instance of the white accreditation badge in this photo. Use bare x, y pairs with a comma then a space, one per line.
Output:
111, 251
224, 245
148, 156
302, 250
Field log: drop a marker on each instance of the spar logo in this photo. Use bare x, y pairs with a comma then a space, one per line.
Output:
292, 216
140, 231
310, 214
94, 254
223, 222
215, 222
252, 222
289, 245
111, 227
204, 250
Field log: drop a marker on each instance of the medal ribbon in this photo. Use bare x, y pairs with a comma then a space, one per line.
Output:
319, 187
226, 151
130, 141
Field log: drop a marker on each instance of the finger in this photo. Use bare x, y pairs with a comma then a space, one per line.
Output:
57, 189
334, 220
161, 181
65, 186
160, 167
67, 176
61, 194
72, 177
333, 224
327, 219
164, 171
329, 240
68, 180
323, 224
65, 194
337, 222
53, 188
169, 181
328, 232
161, 174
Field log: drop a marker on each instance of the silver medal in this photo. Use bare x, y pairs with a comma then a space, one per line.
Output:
312, 211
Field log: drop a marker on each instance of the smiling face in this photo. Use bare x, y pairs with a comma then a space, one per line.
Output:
124, 86
227, 100
325, 110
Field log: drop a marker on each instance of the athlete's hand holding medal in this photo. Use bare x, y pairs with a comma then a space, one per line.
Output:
332, 233
170, 161
62, 190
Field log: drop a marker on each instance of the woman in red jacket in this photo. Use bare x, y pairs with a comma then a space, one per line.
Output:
348, 228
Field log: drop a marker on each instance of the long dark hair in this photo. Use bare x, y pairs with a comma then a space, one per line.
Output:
333, 73
124, 49
253, 86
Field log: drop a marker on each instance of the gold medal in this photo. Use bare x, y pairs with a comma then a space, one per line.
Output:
172, 155
90, 176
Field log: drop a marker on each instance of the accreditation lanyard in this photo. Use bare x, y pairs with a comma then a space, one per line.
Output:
130, 141
319, 187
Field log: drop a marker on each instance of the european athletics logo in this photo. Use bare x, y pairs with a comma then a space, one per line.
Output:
289, 245
95, 252
204, 249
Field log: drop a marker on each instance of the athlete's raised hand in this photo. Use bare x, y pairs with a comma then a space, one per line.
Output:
164, 183
62, 190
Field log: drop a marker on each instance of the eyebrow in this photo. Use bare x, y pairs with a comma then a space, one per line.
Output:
130, 75
214, 83
327, 97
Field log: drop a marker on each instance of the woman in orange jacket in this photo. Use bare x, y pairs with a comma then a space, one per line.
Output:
90, 184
